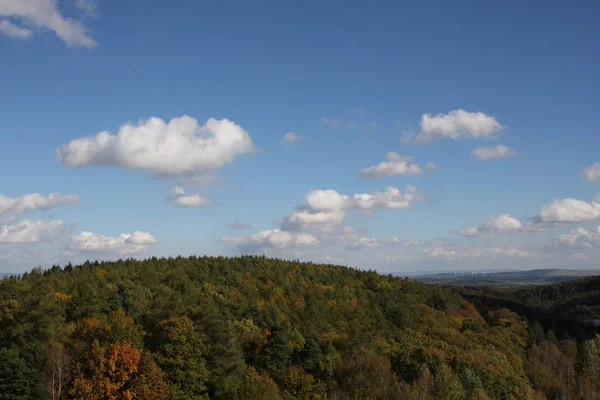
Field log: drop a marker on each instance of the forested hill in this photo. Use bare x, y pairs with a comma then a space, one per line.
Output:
580, 297
259, 328
562, 307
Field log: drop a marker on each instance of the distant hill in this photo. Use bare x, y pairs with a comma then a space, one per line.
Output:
507, 278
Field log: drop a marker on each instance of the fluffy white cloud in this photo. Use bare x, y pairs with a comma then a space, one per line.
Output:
37, 15
570, 211
454, 255
183, 199
126, 243
178, 147
591, 173
390, 198
394, 165
9, 29
302, 218
499, 224
500, 151
457, 124
34, 201
326, 200
326, 209
331, 200
32, 231
291, 138
237, 225
271, 239
320, 220
366, 243
579, 238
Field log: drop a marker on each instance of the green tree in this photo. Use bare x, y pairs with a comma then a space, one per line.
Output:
276, 353
181, 355
17, 380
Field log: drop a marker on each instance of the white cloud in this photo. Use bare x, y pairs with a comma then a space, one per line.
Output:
126, 243
291, 138
40, 15
237, 225
591, 173
8, 219
183, 199
457, 124
27, 256
9, 29
390, 198
89, 7
32, 231
579, 238
570, 211
430, 165
330, 200
353, 119
332, 123
176, 148
500, 151
326, 209
321, 220
360, 113
332, 260
271, 239
499, 224
366, 243
487, 252
397, 258
394, 165
34, 201
304, 218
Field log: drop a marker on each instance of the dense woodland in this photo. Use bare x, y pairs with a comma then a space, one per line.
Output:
561, 307
259, 328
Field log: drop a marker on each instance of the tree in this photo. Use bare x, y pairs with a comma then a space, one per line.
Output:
258, 386
108, 362
225, 355
181, 355
277, 353
17, 379
447, 385
311, 354
367, 376
118, 372
57, 374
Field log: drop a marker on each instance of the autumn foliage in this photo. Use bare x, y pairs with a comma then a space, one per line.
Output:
257, 328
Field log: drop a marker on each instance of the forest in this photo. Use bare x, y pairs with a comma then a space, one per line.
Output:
252, 327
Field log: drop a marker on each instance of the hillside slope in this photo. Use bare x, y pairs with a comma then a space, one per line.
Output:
252, 327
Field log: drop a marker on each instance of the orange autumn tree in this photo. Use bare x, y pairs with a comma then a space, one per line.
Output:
108, 363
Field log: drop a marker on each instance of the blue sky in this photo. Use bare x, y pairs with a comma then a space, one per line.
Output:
353, 81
